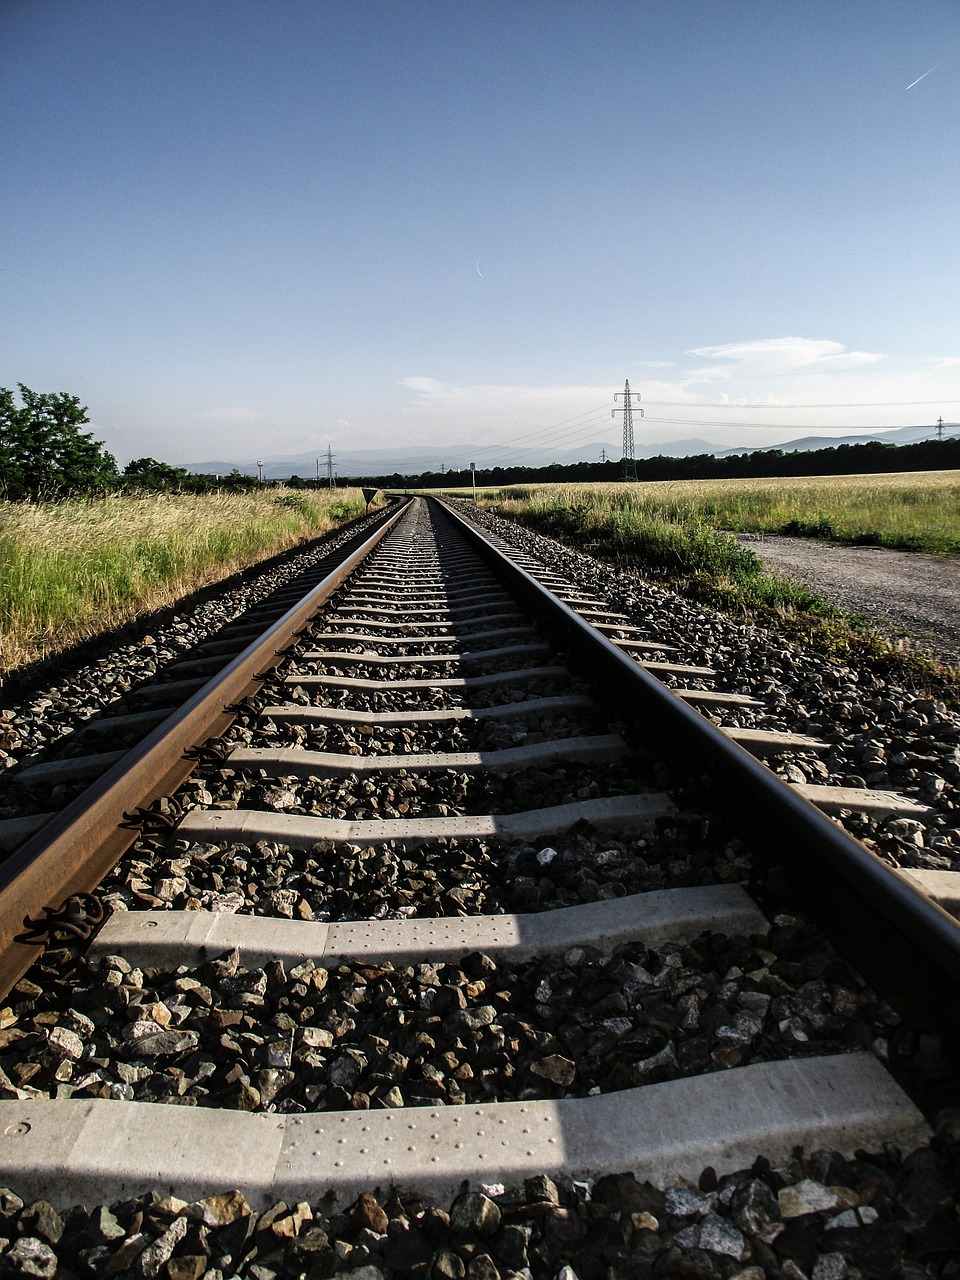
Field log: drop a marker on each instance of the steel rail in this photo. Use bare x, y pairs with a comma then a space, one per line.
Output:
899, 938
72, 852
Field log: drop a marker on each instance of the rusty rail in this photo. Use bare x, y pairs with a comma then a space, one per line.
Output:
72, 853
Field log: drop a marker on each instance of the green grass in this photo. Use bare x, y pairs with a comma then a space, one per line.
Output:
913, 511
69, 570
677, 532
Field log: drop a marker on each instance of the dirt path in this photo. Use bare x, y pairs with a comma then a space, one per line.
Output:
910, 594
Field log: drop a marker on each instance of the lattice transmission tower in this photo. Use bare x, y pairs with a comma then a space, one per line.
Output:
629, 461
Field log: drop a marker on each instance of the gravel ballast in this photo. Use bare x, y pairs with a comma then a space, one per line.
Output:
822, 1217
638, 1014
363, 1035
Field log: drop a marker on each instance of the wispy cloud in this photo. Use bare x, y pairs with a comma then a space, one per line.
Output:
772, 356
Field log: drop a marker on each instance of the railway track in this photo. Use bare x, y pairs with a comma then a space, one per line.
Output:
438, 884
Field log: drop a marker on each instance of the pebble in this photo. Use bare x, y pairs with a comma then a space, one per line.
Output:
30, 1257
556, 1068
684, 1203
716, 1235
805, 1197
219, 1210
369, 1214
155, 1257
474, 1214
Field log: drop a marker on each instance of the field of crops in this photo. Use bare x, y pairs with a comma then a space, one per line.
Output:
71, 569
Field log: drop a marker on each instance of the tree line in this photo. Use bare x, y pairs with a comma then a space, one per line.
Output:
838, 460
45, 454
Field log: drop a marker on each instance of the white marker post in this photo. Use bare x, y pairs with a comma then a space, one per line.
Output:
473, 477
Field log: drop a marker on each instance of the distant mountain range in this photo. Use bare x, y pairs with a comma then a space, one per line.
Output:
409, 461
899, 435
413, 461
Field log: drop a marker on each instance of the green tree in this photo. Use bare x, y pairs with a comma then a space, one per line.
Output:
43, 452
237, 482
148, 473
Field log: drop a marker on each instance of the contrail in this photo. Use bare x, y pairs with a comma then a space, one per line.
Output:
479, 272
925, 74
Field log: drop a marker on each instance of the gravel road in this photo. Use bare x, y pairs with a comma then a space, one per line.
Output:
909, 594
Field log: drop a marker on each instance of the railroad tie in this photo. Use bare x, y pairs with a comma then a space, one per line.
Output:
879, 804
622, 815
493, 680
95, 1151
170, 938
439, 637
942, 886
288, 762
386, 618
294, 713
679, 669
537, 650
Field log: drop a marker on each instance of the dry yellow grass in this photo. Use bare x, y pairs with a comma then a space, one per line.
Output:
70, 570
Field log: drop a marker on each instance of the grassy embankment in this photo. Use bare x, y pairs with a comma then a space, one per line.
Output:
72, 569
676, 531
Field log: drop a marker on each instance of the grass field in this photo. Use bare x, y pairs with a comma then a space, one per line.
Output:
69, 570
913, 511
681, 532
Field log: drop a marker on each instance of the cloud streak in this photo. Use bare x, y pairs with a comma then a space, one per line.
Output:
925, 74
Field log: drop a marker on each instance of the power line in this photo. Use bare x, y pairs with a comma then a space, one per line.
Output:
512, 456
501, 449
551, 435
546, 437
866, 404
579, 430
543, 431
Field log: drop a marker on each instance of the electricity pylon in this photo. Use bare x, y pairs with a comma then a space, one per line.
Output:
629, 461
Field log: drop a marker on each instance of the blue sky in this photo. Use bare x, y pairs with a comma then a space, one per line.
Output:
244, 227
